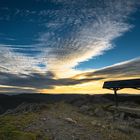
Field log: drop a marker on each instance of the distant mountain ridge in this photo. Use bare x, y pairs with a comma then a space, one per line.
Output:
12, 101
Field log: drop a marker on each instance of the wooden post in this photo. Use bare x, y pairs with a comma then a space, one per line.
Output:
116, 97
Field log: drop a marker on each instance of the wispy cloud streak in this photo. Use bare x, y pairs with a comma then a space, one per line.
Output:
128, 69
49, 80
73, 31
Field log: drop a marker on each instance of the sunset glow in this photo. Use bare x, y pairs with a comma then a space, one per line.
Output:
62, 46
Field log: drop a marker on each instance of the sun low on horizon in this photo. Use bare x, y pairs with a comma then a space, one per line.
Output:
68, 46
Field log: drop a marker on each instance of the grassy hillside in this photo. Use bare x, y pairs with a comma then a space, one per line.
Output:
66, 117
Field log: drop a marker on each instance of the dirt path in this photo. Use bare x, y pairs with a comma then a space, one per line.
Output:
64, 122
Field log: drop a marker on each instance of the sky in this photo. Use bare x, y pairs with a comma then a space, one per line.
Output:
68, 46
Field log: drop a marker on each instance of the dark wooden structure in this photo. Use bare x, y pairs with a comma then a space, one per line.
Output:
121, 84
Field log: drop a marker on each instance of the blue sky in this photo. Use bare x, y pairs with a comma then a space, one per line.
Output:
58, 40
125, 48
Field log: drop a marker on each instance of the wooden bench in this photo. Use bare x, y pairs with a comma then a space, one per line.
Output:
121, 84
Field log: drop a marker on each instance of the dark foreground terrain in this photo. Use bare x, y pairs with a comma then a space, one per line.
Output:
69, 117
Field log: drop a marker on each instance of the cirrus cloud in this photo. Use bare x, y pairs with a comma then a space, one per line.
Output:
73, 32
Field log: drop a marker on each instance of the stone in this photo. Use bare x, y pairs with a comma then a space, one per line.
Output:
122, 116
84, 108
103, 126
99, 112
94, 123
44, 119
70, 120
124, 129
91, 113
